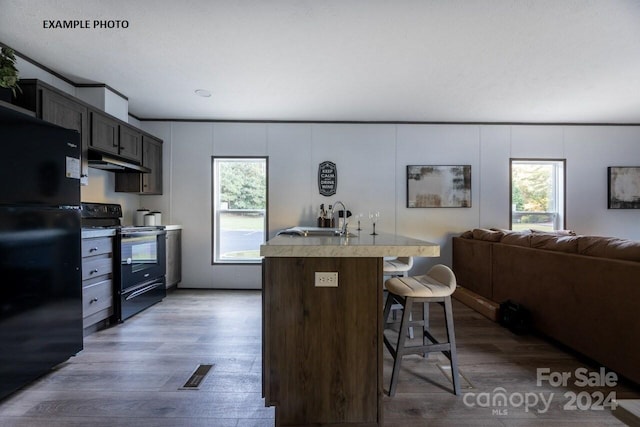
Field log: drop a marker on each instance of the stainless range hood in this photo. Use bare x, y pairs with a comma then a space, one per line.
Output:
106, 162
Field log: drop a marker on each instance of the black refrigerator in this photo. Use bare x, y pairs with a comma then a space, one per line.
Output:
40, 255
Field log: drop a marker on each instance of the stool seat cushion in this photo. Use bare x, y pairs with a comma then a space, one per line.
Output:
395, 266
419, 287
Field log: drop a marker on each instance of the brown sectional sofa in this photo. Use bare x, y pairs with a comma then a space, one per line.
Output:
583, 291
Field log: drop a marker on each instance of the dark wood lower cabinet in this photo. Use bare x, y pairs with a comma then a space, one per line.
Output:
322, 346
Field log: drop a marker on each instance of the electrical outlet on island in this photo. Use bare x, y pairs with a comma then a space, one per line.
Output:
326, 279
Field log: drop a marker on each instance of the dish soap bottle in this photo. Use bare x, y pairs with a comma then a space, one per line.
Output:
321, 216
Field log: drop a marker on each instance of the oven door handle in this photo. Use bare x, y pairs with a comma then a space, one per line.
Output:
143, 233
142, 291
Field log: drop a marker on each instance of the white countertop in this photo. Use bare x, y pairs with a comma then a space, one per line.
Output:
362, 245
172, 227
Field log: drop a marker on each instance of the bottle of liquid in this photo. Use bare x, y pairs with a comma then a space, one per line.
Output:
321, 216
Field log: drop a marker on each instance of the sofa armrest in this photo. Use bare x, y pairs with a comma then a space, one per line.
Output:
472, 265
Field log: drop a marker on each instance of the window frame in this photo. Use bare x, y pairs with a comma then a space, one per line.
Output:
560, 222
215, 235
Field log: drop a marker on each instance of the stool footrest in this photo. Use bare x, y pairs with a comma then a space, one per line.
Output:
429, 348
431, 337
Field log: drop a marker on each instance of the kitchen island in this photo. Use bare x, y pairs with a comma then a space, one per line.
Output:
322, 333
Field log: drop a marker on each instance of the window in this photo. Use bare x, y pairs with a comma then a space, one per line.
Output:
537, 194
239, 208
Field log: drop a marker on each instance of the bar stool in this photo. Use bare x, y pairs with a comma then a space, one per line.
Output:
435, 286
398, 267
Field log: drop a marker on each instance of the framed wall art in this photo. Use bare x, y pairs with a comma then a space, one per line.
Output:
437, 186
624, 187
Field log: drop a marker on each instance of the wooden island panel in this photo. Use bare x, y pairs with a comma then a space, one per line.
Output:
322, 352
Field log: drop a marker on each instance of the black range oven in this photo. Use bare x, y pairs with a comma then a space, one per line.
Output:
142, 269
140, 255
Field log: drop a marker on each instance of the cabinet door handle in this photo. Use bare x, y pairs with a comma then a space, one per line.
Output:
93, 300
95, 270
95, 248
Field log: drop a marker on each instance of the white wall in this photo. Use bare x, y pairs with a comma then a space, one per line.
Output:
371, 161
92, 95
101, 190
29, 71
116, 105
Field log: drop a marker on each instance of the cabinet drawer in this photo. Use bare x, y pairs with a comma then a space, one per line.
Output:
96, 267
97, 246
96, 297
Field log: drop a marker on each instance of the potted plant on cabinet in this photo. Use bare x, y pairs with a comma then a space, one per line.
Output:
8, 74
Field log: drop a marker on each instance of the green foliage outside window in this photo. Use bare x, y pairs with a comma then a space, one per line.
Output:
532, 187
242, 185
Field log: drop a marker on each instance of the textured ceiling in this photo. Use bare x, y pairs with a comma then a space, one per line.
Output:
348, 60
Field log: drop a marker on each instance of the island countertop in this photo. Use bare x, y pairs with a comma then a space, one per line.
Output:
359, 245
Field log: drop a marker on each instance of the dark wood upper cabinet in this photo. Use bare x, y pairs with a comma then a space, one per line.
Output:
110, 136
99, 131
60, 109
152, 158
105, 135
144, 183
130, 143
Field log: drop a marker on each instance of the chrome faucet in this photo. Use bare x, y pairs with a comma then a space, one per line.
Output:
343, 231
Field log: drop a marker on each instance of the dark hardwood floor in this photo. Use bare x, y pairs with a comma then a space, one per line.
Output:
133, 374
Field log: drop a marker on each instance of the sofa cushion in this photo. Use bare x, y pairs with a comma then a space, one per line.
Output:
609, 247
561, 241
467, 234
487, 235
592, 245
553, 242
522, 238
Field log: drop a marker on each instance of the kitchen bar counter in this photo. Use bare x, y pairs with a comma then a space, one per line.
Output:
361, 244
322, 338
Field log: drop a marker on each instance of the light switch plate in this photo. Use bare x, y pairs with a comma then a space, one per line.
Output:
326, 279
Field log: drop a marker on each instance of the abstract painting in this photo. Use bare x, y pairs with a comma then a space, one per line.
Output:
439, 186
624, 187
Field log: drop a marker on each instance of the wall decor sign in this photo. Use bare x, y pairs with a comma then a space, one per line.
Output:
624, 187
327, 178
439, 186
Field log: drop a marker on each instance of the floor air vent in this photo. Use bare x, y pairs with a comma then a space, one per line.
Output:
194, 381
